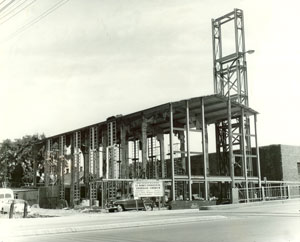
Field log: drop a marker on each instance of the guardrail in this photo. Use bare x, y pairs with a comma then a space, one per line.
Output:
269, 193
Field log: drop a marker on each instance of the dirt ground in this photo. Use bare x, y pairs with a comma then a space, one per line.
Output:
42, 212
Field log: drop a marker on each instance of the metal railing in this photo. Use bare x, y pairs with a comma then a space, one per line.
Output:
254, 194
269, 193
294, 191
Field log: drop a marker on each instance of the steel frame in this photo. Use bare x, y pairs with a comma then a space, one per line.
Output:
230, 80
230, 71
227, 109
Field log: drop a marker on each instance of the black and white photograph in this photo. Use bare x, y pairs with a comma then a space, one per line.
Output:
149, 120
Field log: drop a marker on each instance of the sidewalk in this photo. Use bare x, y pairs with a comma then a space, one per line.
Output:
251, 204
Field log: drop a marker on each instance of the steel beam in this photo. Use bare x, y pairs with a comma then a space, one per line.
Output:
72, 170
257, 151
231, 158
171, 152
204, 149
188, 149
144, 147
244, 153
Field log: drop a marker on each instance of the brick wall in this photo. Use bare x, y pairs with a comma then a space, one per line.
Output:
290, 157
270, 162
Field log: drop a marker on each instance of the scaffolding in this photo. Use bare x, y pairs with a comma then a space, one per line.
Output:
233, 134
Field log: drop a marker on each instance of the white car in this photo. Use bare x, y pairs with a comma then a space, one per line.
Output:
7, 198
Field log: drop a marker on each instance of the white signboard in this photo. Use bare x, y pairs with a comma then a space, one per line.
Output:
148, 188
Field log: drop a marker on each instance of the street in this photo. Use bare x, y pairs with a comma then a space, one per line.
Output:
269, 222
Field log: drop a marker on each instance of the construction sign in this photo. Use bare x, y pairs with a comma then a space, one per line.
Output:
148, 188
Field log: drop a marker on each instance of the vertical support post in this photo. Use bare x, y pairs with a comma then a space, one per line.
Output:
78, 142
72, 173
63, 178
182, 141
34, 167
97, 152
144, 148
244, 153
172, 153
257, 152
47, 162
231, 161
90, 188
160, 138
104, 153
59, 168
86, 162
102, 195
263, 193
97, 164
188, 149
150, 155
204, 149
135, 167
124, 160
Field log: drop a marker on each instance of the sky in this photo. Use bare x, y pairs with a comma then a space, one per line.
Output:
89, 60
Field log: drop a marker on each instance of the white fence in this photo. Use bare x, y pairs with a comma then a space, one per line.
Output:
269, 193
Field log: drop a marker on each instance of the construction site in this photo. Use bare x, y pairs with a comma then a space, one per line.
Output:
202, 148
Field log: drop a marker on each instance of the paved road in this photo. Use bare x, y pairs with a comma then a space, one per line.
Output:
271, 222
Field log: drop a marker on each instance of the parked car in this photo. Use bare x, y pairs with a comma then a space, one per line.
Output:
132, 204
7, 198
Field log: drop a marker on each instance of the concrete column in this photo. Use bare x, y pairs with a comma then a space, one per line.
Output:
160, 138
182, 149
97, 162
47, 162
124, 153
85, 149
104, 153
135, 160
59, 168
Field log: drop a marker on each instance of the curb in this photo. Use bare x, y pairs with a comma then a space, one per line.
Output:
251, 204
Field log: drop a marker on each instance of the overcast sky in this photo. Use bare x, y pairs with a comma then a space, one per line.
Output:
89, 60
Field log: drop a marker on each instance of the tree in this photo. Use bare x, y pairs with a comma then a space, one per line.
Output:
17, 158
7, 159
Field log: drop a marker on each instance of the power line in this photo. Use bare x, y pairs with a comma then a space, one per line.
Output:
8, 11
38, 19
7, 5
11, 6
2, 2
28, 5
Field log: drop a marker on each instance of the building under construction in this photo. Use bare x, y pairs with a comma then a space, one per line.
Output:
169, 142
